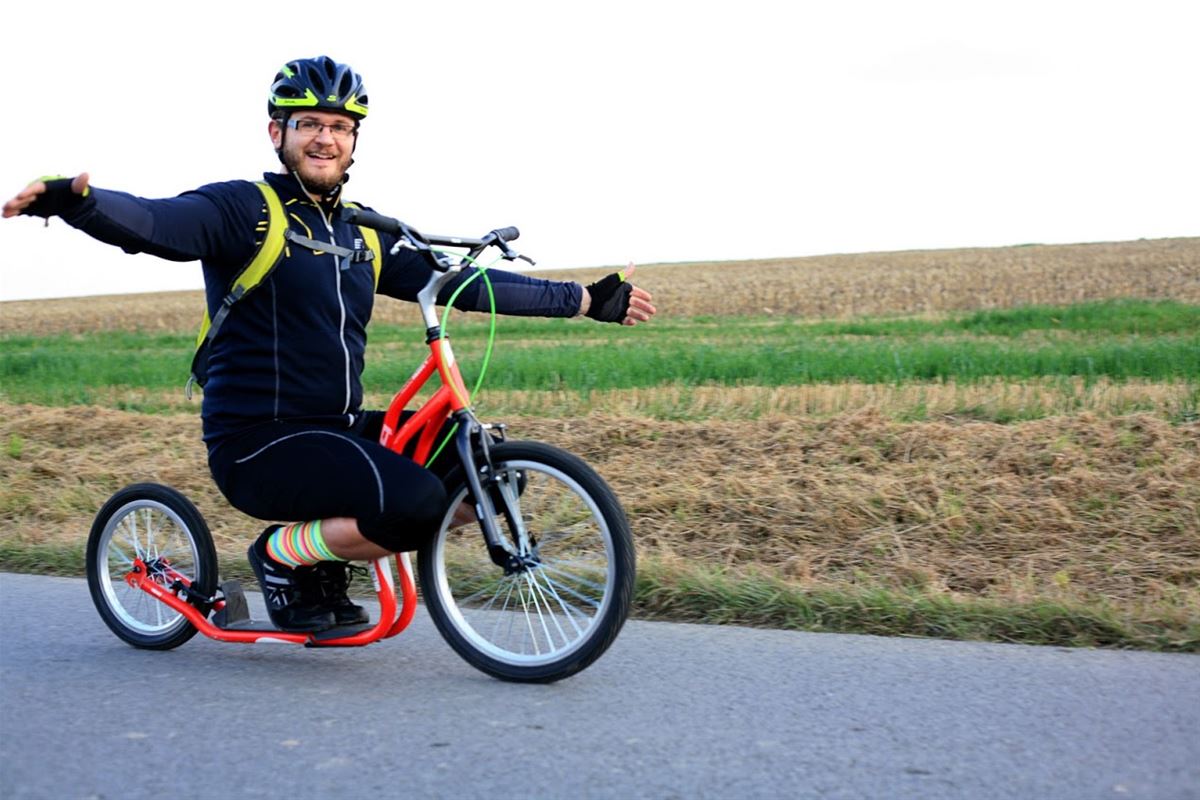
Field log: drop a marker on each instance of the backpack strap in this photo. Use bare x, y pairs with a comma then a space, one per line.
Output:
370, 238
264, 260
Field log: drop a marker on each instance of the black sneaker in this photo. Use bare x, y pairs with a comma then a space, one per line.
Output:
332, 579
281, 588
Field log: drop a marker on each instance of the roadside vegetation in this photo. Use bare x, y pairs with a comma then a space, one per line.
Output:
986, 444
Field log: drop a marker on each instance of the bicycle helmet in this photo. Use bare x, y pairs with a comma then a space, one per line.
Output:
318, 83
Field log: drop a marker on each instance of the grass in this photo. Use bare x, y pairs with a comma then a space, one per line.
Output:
1118, 340
705, 595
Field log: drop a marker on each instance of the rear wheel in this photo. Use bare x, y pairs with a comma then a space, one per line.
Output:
161, 527
565, 604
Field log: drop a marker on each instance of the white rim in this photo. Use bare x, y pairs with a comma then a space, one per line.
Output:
145, 529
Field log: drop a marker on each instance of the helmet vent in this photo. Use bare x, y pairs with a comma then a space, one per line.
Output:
315, 79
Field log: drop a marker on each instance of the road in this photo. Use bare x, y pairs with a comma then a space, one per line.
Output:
671, 711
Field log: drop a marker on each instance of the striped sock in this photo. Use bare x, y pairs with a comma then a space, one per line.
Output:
299, 545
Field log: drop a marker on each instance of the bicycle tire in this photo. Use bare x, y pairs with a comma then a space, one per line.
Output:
558, 616
161, 526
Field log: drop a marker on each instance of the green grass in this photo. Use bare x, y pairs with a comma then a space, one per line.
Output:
707, 595
1118, 340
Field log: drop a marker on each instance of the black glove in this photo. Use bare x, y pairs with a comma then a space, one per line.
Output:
610, 298
57, 198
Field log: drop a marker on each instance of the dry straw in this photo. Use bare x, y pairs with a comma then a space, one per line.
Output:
1070, 508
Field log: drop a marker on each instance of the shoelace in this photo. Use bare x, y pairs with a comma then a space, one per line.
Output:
335, 584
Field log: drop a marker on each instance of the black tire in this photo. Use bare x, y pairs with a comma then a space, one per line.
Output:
157, 523
579, 592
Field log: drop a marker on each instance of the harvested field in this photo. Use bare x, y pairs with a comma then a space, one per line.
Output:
1074, 508
835, 286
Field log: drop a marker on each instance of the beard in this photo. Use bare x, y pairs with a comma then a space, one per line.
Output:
319, 183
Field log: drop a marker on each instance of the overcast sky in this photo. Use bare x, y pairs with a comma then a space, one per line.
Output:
640, 130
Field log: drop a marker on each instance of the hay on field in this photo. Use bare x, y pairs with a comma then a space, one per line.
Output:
1069, 507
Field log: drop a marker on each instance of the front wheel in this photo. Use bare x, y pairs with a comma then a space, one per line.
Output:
161, 527
563, 607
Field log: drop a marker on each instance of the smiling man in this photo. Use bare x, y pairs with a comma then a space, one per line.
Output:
281, 358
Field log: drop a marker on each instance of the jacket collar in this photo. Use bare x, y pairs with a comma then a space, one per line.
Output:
287, 186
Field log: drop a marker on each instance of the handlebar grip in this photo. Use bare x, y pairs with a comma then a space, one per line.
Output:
510, 234
370, 219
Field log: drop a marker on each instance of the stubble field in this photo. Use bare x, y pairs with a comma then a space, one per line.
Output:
994, 443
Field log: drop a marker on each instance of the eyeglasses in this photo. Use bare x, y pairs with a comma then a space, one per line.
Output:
312, 127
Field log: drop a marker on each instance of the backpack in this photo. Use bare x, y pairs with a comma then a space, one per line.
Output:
263, 263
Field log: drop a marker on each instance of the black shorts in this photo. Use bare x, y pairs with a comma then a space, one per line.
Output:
296, 472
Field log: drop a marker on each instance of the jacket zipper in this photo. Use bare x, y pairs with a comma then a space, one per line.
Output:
337, 273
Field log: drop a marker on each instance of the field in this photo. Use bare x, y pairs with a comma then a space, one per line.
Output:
993, 443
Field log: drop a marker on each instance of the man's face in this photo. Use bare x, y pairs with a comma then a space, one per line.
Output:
319, 157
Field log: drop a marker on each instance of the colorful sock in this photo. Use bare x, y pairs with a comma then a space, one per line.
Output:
299, 545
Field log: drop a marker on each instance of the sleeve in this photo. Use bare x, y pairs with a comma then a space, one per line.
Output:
214, 223
404, 274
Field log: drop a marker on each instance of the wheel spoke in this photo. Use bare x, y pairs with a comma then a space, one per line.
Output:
577, 579
500, 617
529, 622
532, 577
120, 554
554, 586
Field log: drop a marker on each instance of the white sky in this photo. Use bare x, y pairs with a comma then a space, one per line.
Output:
629, 129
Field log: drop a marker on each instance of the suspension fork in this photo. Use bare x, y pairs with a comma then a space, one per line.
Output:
471, 438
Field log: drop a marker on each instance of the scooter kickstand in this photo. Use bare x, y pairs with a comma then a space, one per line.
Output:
236, 613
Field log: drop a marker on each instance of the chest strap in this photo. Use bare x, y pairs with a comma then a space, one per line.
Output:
347, 255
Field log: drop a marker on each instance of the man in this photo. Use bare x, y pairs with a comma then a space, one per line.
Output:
286, 436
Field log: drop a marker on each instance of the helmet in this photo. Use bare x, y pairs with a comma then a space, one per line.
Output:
319, 83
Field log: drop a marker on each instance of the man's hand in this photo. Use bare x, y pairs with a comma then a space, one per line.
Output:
47, 196
614, 299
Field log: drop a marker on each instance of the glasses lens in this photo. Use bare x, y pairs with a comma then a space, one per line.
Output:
311, 127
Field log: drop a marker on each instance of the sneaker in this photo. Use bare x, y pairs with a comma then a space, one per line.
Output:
281, 588
332, 579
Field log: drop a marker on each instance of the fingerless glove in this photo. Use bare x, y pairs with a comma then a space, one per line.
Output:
57, 198
610, 298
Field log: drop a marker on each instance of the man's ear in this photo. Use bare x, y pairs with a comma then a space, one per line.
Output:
275, 130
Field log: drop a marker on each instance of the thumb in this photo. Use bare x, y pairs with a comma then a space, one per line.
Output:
79, 184
628, 270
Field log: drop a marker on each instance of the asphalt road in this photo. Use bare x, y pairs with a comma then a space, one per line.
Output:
670, 711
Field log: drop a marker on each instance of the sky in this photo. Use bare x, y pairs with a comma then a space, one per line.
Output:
630, 130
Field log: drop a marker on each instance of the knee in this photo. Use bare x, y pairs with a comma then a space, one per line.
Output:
409, 518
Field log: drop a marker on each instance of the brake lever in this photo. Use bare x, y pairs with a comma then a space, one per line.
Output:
512, 255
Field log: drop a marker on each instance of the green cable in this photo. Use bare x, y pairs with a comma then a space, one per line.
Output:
487, 354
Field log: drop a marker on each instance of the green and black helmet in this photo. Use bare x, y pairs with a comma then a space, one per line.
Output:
319, 83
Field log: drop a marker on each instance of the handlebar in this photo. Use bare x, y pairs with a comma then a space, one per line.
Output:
369, 219
499, 237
